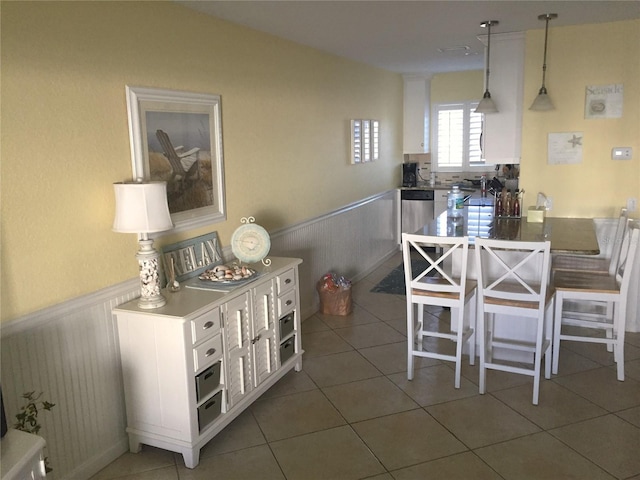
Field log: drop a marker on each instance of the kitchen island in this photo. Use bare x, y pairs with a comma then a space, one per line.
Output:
567, 235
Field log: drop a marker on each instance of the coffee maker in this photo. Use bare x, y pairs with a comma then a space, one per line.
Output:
409, 174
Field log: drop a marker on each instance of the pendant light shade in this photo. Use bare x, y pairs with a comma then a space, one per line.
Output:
487, 105
542, 102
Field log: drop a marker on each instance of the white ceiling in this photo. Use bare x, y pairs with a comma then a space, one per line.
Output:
404, 36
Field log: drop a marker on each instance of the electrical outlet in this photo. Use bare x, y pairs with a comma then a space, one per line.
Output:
549, 203
632, 204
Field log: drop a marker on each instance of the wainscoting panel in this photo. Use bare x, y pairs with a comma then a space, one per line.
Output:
351, 242
70, 351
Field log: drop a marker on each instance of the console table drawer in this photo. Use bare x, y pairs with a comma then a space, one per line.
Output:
207, 353
286, 281
286, 303
205, 325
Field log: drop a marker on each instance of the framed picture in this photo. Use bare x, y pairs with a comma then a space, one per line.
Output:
177, 137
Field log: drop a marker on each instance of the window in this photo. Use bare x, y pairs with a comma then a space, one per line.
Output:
365, 138
457, 134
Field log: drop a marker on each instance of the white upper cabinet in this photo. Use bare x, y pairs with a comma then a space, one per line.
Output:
503, 130
416, 114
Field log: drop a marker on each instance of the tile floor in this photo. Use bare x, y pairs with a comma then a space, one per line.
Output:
352, 414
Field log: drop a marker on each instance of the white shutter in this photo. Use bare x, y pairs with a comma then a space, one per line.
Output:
365, 138
458, 132
450, 136
475, 135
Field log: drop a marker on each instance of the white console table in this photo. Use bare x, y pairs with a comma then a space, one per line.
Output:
22, 456
193, 365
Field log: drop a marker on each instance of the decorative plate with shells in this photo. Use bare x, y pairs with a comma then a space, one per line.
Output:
228, 274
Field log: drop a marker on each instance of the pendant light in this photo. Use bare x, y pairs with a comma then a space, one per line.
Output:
487, 104
542, 101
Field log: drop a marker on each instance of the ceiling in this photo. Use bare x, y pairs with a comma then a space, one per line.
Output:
404, 36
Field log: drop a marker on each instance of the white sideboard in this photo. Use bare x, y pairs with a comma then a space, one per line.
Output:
193, 365
22, 456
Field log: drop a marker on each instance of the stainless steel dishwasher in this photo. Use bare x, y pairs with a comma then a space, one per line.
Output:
417, 209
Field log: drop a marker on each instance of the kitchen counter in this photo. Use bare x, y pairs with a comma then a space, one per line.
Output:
439, 186
567, 235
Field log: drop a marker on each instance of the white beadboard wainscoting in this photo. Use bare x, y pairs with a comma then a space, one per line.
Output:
70, 351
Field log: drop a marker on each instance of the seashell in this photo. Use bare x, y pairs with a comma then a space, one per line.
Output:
228, 276
219, 274
237, 277
218, 268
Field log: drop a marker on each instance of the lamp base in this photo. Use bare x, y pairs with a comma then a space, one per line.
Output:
148, 261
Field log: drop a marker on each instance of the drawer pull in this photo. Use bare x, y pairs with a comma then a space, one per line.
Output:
288, 302
210, 352
253, 341
207, 325
287, 281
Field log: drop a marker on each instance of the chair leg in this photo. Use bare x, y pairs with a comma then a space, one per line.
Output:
620, 315
557, 327
459, 345
420, 333
548, 335
482, 339
410, 340
610, 332
472, 326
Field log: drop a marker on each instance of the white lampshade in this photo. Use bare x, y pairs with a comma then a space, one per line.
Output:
542, 102
141, 207
486, 105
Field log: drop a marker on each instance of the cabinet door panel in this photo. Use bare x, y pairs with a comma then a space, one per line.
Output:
238, 343
263, 341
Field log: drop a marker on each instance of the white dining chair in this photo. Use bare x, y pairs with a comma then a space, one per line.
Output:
603, 265
513, 281
429, 280
589, 287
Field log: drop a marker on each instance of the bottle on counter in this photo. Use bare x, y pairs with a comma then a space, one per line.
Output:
516, 205
498, 205
455, 202
483, 186
507, 205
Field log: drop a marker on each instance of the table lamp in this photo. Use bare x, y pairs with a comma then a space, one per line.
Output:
142, 208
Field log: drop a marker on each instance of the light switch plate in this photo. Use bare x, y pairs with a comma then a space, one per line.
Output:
621, 153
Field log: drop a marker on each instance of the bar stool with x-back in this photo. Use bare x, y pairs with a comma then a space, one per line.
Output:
429, 280
513, 280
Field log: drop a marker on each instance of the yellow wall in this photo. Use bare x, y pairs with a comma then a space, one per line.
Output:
579, 56
285, 113
457, 86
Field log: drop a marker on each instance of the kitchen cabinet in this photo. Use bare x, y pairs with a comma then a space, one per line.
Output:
502, 131
193, 365
415, 129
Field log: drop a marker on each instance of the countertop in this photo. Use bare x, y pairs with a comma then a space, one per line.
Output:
567, 235
442, 186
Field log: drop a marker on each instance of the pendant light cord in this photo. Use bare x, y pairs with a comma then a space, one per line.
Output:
543, 89
488, 56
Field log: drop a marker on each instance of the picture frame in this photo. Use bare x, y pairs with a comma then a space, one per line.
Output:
176, 137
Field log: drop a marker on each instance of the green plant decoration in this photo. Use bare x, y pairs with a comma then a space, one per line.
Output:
27, 418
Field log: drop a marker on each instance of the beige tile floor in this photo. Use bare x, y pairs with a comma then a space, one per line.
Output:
352, 414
